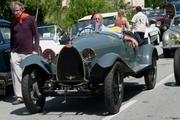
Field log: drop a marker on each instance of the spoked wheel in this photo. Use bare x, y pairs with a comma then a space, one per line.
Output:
151, 74
114, 89
176, 66
33, 96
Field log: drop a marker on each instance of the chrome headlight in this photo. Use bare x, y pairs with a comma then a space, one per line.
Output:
173, 37
88, 54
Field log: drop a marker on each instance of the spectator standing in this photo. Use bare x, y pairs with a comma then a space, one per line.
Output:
24, 42
139, 23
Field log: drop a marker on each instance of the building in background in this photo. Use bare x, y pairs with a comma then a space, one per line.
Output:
136, 2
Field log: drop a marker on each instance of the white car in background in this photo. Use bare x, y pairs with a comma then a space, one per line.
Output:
50, 39
152, 33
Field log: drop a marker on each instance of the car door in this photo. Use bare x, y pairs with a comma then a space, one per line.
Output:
4, 49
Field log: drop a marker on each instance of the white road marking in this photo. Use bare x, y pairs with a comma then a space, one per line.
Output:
121, 109
164, 80
134, 101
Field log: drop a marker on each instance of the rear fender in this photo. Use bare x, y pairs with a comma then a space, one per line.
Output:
148, 54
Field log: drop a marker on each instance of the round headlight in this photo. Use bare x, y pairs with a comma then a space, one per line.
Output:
88, 54
173, 37
48, 54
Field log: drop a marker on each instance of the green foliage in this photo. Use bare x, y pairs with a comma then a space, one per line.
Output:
50, 11
80, 8
5, 11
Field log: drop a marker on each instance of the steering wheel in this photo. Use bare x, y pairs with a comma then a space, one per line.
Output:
85, 31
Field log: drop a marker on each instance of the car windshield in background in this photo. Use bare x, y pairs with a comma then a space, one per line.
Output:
108, 21
5, 34
177, 21
46, 32
155, 12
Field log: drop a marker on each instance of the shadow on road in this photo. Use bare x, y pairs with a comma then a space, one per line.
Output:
171, 84
76, 106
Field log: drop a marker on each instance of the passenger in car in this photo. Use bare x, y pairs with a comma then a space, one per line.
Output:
121, 20
97, 25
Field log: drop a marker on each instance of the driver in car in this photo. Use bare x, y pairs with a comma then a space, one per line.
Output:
97, 26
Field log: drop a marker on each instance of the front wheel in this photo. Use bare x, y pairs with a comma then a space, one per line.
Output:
33, 97
114, 89
151, 74
176, 66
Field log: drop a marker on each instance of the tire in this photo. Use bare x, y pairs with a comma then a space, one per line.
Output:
176, 66
151, 74
114, 89
33, 102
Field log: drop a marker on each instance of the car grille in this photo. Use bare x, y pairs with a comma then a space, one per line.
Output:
70, 67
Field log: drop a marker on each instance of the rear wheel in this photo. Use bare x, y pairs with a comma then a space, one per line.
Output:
33, 96
114, 89
176, 66
151, 74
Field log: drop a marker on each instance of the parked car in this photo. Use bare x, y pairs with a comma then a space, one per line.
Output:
171, 38
5, 76
51, 38
176, 66
93, 63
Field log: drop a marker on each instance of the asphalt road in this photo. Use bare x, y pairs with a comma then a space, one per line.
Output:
161, 103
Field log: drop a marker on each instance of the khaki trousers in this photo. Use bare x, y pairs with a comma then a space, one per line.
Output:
16, 72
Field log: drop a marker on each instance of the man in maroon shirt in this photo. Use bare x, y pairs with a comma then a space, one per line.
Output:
24, 42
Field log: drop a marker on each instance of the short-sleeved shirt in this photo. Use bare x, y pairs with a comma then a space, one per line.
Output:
140, 22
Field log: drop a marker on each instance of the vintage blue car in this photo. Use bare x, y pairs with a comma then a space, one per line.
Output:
93, 63
4, 56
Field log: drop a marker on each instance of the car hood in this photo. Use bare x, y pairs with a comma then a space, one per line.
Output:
51, 44
97, 41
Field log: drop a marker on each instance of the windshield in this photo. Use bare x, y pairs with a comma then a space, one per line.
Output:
46, 32
155, 12
107, 21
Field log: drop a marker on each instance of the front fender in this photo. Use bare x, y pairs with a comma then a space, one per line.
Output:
108, 60
36, 60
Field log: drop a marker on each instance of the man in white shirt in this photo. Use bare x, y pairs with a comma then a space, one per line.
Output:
140, 23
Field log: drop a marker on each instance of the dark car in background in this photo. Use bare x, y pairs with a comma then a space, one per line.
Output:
4, 56
160, 16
